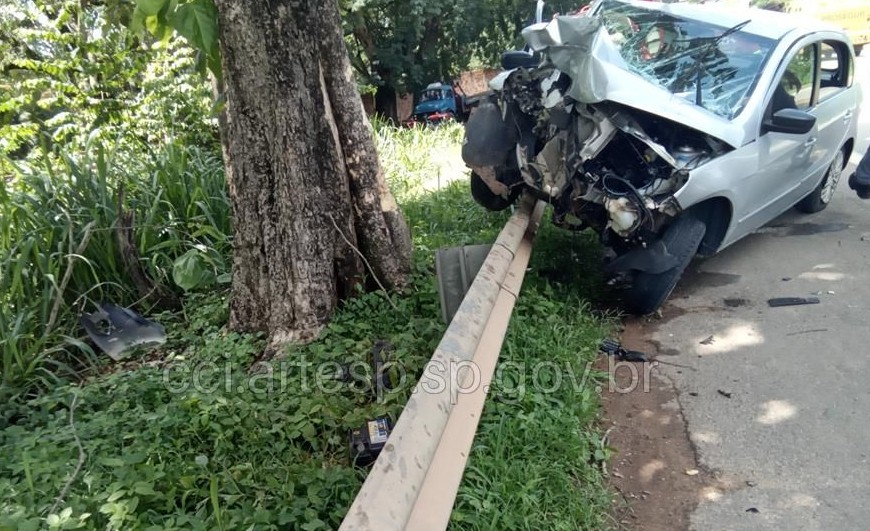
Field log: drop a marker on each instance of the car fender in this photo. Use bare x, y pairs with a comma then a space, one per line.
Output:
716, 179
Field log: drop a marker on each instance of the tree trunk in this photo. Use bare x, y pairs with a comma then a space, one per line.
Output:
385, 103
307, 191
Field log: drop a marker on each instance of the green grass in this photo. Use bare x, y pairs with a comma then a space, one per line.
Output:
161, 452
535, 463
59, 252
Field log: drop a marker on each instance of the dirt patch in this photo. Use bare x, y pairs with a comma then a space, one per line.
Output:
654, 468
449, 167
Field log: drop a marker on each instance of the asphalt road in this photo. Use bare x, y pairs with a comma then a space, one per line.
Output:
777, 404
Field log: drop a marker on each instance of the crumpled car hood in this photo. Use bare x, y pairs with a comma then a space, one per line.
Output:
581, 48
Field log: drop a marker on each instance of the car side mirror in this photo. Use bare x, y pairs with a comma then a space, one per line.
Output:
790, 122
518, 59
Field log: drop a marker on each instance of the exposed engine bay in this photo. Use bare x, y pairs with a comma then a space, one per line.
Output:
601, 164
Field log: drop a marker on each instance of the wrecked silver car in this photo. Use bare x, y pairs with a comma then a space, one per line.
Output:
669, 129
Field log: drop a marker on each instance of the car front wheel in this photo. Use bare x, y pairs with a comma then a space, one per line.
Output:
820, 197
649, 291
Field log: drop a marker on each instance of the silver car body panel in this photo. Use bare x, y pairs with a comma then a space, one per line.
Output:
756, 179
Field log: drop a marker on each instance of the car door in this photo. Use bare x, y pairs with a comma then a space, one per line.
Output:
834, 108
785, 160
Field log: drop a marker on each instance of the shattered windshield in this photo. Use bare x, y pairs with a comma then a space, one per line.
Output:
707, 64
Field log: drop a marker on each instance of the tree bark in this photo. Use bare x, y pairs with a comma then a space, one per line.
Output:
307, 190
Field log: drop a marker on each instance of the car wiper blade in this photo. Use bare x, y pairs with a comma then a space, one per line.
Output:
705, 51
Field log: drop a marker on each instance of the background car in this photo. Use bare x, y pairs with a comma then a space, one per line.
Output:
669, 129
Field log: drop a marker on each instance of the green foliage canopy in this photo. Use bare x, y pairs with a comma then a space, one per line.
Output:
407, 44
71, 70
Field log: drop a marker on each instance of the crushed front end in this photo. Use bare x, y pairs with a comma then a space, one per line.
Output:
610, 164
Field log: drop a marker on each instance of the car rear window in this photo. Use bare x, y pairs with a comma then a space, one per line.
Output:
712, 66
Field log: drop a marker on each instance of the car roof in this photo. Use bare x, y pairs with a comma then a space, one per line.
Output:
765, 23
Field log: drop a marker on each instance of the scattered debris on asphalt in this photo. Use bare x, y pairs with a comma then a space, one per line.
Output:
726, 394
736, 303
786, 279
831, 292
693, 393
692, 472
611, 347
753, 510
751, 483
115, 329
709, 341
792, 301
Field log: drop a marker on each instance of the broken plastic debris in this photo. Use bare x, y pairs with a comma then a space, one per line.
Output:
692, 472
792, 301
611, 347
115, 329
709, 341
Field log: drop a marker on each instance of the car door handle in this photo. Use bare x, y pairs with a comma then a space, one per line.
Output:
811, 142
847, 117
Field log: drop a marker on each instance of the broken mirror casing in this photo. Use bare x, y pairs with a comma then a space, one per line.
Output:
585, 135
115, 329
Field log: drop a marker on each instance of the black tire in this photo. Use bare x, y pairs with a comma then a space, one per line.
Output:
485, 197
819, 198
649, 291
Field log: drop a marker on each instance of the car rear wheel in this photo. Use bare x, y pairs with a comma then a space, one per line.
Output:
649, 291
824, 192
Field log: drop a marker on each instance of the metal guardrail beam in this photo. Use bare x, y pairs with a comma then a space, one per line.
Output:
414, 481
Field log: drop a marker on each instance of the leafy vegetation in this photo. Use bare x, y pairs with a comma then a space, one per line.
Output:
88, 114
187, 437
59, 251
73, 80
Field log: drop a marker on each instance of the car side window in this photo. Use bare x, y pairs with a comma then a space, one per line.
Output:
795, 87
834, 69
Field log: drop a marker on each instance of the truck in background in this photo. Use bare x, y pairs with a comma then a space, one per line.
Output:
439, 102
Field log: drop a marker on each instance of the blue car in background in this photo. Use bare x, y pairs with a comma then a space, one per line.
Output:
439, 102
